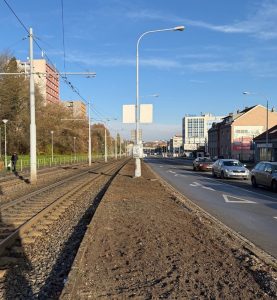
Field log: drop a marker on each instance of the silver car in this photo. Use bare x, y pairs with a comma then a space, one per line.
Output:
230, 168
265, 173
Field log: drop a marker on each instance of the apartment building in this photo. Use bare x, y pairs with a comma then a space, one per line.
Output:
175, 144
233, 137
195, 130
47, 79
266, 145
77, 108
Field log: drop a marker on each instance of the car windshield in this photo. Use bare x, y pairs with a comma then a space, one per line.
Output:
232, 163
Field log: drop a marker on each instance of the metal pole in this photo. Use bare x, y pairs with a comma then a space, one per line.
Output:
52, 132
119, 146
267, 130
115, 146
33, 146
89, 136
0, 141
74, 149
106, 159
5, 132
138, 163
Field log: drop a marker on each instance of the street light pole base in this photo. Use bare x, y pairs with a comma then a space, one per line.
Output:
138, 168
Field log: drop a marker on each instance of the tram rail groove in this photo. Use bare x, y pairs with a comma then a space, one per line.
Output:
28, 224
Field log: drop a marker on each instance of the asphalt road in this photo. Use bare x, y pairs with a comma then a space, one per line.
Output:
249, 211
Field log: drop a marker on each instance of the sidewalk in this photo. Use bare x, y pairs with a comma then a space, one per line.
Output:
144, 243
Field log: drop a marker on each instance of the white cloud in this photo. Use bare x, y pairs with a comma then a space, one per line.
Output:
261, 22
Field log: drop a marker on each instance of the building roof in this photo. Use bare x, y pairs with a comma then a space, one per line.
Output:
272, 134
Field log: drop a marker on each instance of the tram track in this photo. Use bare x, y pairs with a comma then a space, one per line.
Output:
41, 228
19, 214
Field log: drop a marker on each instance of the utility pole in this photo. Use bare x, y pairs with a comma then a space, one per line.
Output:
0, 141
115, 146
33, 139
119, 146
89, 135
33, 144
106, 159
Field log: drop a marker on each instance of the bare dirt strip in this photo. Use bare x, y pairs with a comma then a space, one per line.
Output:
146, 243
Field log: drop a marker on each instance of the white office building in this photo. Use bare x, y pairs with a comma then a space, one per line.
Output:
195, 130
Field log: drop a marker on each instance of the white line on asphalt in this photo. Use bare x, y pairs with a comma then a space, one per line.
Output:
245, 190
208, 188
172, 172
161, 166
238, 200
275, 218
201, 185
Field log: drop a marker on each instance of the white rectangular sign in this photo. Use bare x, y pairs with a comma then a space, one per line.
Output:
146, 113
129, 114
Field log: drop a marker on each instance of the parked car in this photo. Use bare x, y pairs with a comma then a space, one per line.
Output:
202, 164
265, 173
230, 168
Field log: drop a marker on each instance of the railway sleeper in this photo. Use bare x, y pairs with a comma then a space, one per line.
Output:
6, 261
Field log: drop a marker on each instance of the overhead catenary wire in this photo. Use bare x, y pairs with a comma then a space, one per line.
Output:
63, 36
73, 88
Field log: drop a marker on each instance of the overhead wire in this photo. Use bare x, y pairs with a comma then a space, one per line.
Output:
63, 36
73, 88
64, 77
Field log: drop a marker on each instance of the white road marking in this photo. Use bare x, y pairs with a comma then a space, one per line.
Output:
239, 188
161, 166
238, 200
172, 172
208, 188
275, 218
196, 184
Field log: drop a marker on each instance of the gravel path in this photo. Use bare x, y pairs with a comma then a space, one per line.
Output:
144, 244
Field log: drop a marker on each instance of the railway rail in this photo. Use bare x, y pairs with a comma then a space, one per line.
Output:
28, 218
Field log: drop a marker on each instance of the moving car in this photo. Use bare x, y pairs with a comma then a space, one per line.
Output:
265, 173
230, 168
202, 163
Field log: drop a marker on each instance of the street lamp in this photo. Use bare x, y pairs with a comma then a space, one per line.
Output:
266, 137
74, 148
138, 165
151, 95
5, 133
52, 132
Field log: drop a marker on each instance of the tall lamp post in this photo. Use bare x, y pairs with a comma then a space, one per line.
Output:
5, 133
52, 139
266, 136
138, 142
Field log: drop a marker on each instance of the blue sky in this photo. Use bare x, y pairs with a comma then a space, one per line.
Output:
227, 47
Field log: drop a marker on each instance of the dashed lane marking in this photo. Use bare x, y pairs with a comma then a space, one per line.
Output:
208, 188
239, 188
196, 184
172, 172
228, 198
275, 218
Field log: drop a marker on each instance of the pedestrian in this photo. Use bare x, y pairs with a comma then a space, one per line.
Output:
14, 159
